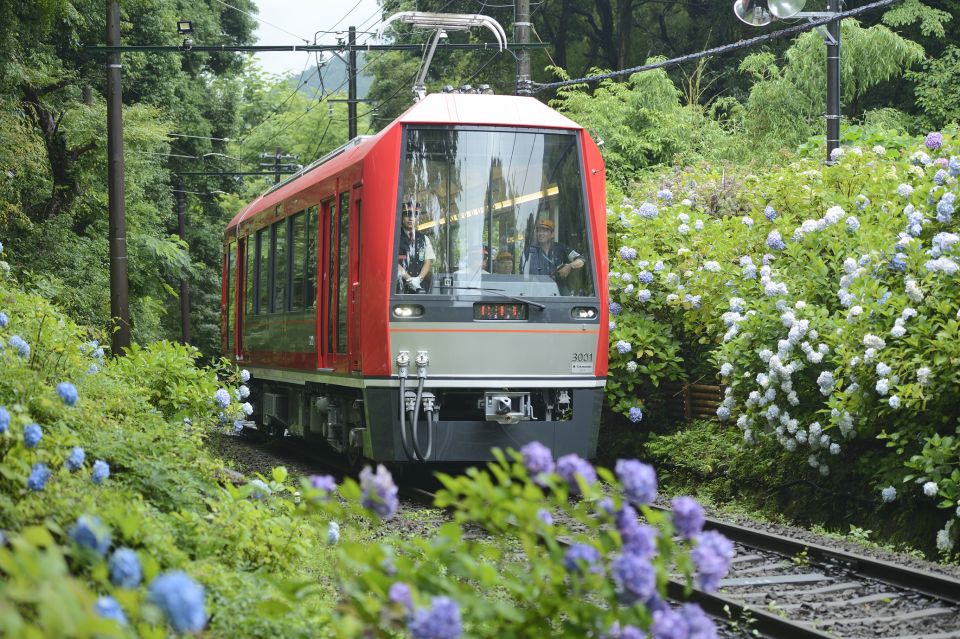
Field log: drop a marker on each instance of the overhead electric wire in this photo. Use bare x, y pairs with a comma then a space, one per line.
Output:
261, 20
733, 46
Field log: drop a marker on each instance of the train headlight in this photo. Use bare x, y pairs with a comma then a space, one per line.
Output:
584, 313
407, 310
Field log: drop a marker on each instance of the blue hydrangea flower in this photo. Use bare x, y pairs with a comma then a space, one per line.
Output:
635, 414
181, 599
638, 539
899, 262
324, 483
853, 224
940, 177
333, 533
688, 517
615, 308
68, 393
260, 489
623, 347
379, 491
904, 190
648, 210
668, 623
32, 434
953, 167
639, 481
634, 578
399, 593
4, 420
582, 556
888, 494
76, 459
109, 608
39, 474
645, 277
544, 515
244, 391
4, 320
711, 557
101, 470
440, 621
222, 397
244, 376
238, 426
934, 140
571, 466
644, 295
89, 532
538, 460
770, 213
665, 195
775, 241
16, 342
125, 571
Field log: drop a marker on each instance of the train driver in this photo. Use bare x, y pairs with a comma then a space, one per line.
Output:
416, 253
547, 257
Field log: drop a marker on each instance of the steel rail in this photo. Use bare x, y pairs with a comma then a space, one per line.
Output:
923, 581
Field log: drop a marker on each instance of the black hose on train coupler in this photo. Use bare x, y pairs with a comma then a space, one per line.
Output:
411, 454
421, 456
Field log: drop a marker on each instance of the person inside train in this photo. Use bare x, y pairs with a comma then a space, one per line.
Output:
474, 266
416, 253
504, 262
547, 257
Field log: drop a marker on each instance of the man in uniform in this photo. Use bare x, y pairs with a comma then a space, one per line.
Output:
416, 253
547, 257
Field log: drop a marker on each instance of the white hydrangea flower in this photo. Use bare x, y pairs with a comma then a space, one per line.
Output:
930, 489
894, 401
945, 539
888, 494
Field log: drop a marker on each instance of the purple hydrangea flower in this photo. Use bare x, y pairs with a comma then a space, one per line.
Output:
688, 517
32, 434
4, 320
39, 474
775, 241
635, 414
109, 608
623, 347
101, 470
699, 624
645, 277
637, 539
76, 459
22, 348
615, 308
711, 556
580, 556
400, 594
569, 467
934, 140
181, 599
379, 491
125, 571
639, 481
326, 483
538, 460
669, 624
648, 210
626, 632
544, 515
4, 420
68, 393
89, 532
222, 397
634, 578
628, 253
440, 621
770, 213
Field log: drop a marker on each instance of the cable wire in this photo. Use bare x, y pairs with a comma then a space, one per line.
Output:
734, 46
262, 21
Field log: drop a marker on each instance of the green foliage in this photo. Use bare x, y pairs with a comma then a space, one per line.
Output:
907, 12
938, 88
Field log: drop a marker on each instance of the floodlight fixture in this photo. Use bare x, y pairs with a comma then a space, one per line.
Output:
756, 13
784, 9
184, 27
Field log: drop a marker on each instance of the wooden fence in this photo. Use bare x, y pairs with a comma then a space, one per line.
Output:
693, 401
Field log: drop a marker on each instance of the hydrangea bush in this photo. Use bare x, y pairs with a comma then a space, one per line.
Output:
826, 299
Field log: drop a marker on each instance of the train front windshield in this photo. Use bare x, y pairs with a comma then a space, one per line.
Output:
498, 210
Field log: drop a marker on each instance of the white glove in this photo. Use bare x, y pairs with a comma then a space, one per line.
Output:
414, 282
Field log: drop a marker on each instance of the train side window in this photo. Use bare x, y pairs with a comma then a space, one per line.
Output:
331, 274
343, 270
250, 275
263, 271
298, 240
229, 286
280, 290
310, 256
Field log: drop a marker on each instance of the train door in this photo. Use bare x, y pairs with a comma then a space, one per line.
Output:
326, 253
356, 249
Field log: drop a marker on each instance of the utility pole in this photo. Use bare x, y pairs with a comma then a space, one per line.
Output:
833, 81
279, 165
352, 87
521, 34
119, 306
184, 283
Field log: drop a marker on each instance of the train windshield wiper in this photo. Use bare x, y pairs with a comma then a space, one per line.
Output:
497, 291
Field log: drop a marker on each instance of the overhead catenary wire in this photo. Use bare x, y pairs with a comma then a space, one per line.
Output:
727, 48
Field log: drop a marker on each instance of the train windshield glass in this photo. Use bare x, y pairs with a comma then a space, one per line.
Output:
501, 210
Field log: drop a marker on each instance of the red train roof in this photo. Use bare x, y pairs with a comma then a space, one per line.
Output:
436, 108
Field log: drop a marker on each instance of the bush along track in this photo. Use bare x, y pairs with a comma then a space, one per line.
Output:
826, 299
114, 523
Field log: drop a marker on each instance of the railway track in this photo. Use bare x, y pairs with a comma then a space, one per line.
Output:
784, 588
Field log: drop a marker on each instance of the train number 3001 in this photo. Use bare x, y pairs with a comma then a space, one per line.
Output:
583, 357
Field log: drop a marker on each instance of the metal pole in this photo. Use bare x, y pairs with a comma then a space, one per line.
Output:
521, 33
352, 87
184, 283
119, 303
833, 81
276, 166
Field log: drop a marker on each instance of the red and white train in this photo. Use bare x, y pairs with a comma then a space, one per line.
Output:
430, 292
